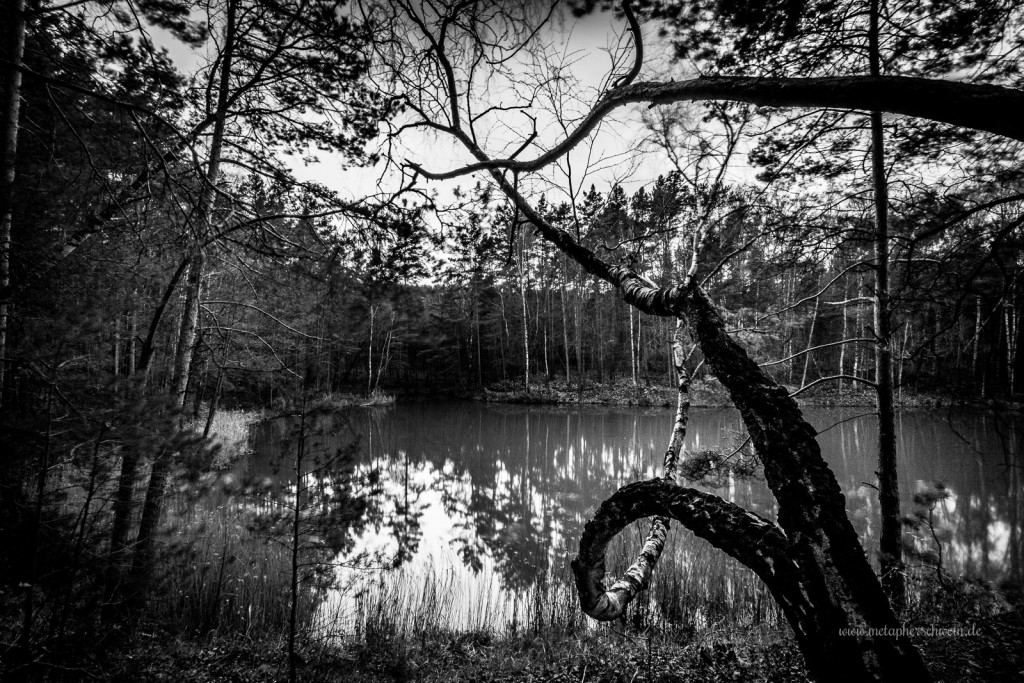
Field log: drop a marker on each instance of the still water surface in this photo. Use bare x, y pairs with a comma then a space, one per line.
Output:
485, 503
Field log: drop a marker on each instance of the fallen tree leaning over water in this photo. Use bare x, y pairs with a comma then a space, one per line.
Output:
811, 560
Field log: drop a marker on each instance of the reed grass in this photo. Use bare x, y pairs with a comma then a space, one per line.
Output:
691, 592
411, 624
340, 401
416, 603
692, 589
219, 577
229, 431
379, 398
222, 581
223, 578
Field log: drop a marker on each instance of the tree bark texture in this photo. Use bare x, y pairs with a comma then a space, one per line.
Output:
122, 511
190, 314
838, 582
187, 333
833, 587
14, 41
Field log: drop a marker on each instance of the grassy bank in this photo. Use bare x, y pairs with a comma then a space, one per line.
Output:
341, 400
229, 432
611, 652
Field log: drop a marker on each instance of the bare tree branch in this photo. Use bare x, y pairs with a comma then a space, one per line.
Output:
989, 108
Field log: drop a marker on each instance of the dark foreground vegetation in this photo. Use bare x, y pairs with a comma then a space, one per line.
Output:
388, 650
162, 261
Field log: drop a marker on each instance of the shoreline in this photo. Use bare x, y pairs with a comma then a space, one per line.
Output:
709, 394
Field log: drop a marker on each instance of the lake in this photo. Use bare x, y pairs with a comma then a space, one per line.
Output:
482, 505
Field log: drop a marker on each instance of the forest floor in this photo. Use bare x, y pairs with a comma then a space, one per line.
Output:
987, 649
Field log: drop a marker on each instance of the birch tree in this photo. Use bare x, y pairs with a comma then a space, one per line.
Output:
811, 559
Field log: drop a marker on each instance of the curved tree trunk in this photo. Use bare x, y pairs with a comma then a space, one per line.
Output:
606, 604
841, 585
828, 585
756, 542
838, 589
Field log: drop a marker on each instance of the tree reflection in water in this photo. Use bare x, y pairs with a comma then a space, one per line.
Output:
482, 493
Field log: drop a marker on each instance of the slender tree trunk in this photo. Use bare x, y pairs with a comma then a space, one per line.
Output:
116, 345
199, 378
846, 335
632, 349
142, 565
641, 350
148, 349
810, 339
547, 366
190, 315
293, 608
788, 295
385, 354
610, 603
507, 336
1010, 317
214, 400
565, 321
977, 336
523, 286
598, 334
124, 501
579, 334
148, 522
122, 511
133, 331
14, 41
858, 326
891, 543
152, 506
369, 357
479, 345
187, 332
541, 316
903, 354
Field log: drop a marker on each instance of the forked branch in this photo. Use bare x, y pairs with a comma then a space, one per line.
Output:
989, 108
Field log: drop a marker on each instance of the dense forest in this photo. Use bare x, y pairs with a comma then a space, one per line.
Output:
164, 257
108, 215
